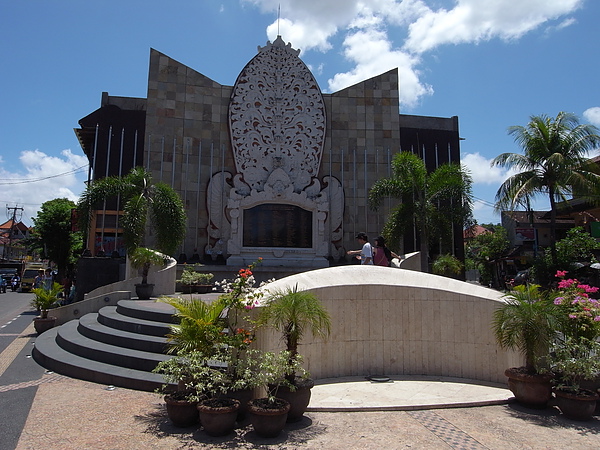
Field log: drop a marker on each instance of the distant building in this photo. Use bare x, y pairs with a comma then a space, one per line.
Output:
11, 232
530, 232
269, 167
474, 231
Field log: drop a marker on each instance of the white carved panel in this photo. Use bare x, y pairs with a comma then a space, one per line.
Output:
277, 118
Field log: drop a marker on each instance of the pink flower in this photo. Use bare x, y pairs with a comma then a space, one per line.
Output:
558, 300
560, 273
565, 284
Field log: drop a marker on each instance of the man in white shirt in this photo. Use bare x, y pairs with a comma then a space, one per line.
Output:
366, 253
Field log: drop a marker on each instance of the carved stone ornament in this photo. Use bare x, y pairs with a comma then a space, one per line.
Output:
277, 129
277, 118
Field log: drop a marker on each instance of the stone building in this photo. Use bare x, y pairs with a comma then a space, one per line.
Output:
270, 167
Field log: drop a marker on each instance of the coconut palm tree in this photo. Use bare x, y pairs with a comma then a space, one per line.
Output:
554, 162
142, 200
432, 202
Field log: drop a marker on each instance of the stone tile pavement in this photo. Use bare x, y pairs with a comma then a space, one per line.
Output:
73, 414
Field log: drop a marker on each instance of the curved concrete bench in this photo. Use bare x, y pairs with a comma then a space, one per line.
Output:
399, 322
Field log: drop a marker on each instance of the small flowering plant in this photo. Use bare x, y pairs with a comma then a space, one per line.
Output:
241, 293
577, 311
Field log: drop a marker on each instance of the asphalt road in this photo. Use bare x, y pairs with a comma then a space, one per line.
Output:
18, 371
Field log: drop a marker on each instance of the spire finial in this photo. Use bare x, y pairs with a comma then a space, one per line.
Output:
278, 17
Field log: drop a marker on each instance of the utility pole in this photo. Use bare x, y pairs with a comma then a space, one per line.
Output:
10, 232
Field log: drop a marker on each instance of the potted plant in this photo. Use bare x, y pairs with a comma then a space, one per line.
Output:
574, 357
143, 258
218, 412
193, 281
44, 300
268, 415
574, 360
293, 313
180, 396
526, 322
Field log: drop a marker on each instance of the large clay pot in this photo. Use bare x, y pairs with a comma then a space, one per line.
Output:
218, 415
144, 291
244, 396
43, 324
182, 413
298, 399
578, 405
532, 390
268, 421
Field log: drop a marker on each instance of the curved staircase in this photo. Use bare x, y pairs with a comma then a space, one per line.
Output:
119, 345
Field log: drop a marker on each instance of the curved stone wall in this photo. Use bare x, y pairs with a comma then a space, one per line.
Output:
393, 321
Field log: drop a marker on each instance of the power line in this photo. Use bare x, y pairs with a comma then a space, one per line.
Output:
7, 181
485, 202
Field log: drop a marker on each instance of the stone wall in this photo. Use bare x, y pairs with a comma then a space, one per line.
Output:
399, 322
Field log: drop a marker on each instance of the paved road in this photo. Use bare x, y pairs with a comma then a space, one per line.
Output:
19, 373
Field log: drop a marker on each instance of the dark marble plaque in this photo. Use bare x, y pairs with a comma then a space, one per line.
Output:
277, 225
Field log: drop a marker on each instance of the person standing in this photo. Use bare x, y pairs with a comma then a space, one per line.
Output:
382, 256
365, 254
38, 281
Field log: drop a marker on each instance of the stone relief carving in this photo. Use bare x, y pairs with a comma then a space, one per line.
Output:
277, 118
277, 130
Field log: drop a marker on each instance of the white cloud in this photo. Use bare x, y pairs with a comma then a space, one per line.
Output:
371, 53
42, 178
592, 115
382, 34
473, 21
482, 172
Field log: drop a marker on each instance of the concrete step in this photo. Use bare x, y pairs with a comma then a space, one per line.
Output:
147, 310
70, 339
50, 355
119, 345
91, 328
110, 317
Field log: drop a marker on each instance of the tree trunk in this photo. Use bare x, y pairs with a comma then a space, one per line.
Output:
552, 226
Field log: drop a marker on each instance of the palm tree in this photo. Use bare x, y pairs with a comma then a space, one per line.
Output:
525, 323
554, 162
200, 326
142, 200
293, 313
431, 202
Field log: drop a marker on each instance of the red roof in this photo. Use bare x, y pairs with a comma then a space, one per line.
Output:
474, 231
9, 225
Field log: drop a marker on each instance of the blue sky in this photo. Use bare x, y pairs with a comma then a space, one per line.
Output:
492, 63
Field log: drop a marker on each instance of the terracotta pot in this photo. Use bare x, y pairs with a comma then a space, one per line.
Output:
181, 412
44, 324
218, 416
244, 396
532, 390
268, 422
298, 399
578, 405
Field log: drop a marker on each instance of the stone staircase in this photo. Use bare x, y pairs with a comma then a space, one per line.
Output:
119, 345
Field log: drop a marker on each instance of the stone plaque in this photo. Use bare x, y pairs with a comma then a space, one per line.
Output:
277, 225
